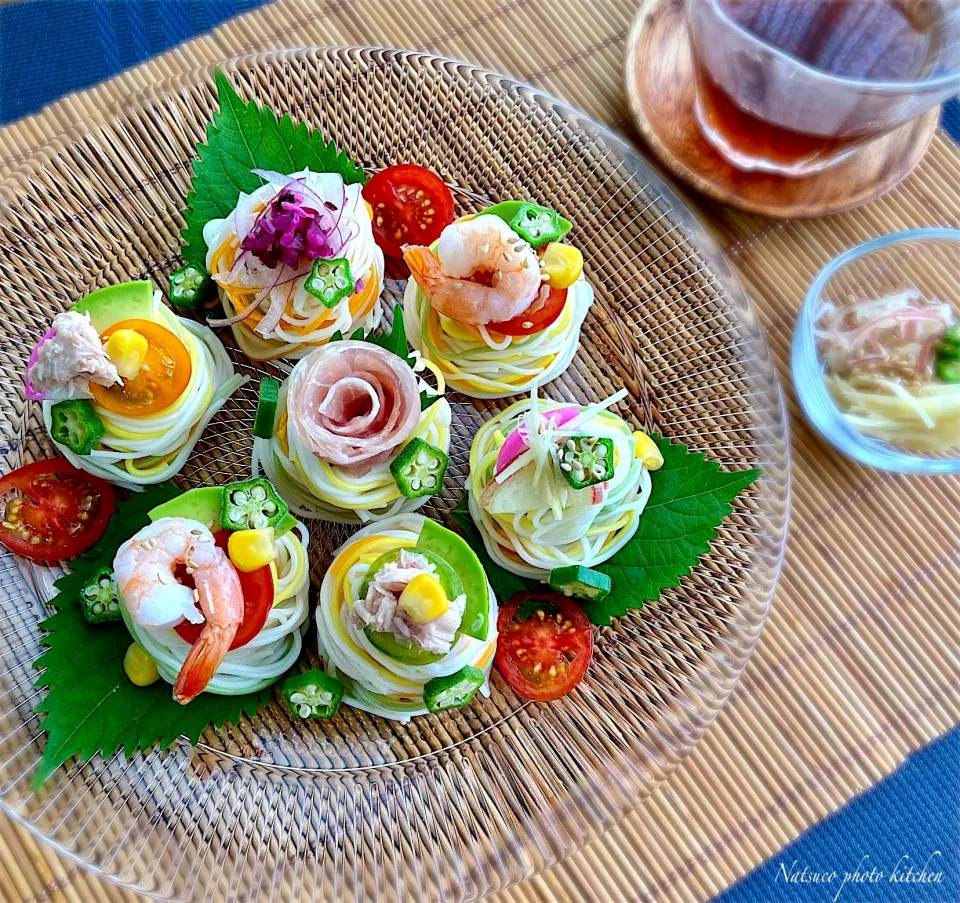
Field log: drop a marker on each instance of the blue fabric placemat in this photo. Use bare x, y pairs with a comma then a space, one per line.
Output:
905, 827
49, 48
897, 843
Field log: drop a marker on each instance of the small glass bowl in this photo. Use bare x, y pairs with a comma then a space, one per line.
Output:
925, 259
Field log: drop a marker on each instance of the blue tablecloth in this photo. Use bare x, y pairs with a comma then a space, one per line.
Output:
898, 843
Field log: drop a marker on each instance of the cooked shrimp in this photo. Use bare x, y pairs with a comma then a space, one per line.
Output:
483, 272
144, 570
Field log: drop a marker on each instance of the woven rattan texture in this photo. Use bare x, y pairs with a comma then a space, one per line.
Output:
839, 689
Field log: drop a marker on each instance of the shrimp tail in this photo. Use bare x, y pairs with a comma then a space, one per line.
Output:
424, 267
202, 661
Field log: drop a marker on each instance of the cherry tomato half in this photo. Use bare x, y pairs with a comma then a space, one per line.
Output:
162, 379
544, 655
411, 205
258, 595
537, 317
52, 511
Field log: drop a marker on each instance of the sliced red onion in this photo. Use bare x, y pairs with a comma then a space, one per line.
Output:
271, 319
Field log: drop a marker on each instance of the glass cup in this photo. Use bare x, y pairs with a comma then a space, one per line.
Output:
765, 109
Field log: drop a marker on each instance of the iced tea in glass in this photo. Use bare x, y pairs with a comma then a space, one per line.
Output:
794, 86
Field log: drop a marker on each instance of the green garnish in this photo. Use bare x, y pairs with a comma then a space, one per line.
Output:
419, 469
581, 582
313, 694
91, 707
76, 425
101, 598
947, 368
536, 225
507, 210
950, 338
330, 280
225, 164
452, 691
188, 285
586, 461
266, 408
689, 500
251, 505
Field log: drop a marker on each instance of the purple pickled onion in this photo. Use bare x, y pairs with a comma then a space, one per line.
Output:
288, 232
358, 287
29, 392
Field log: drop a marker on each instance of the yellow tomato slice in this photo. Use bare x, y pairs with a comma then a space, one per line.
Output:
161, 380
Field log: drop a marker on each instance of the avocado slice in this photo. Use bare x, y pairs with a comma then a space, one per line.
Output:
387, 643
206, 505
507, 210
405, 653
201, 504
454, 550
123, 301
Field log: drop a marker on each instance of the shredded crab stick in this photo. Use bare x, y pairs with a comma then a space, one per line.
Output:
530, 514
888, 364
266, 259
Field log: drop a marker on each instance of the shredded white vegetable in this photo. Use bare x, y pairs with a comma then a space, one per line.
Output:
879, 366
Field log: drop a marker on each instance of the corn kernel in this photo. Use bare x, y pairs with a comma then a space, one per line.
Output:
647, 451
250, 550
561, 264
127, 350
424, 599
139, 666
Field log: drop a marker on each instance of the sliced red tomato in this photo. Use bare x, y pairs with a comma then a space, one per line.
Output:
258, 594
537, 317
411, 205
545, 645
52, 511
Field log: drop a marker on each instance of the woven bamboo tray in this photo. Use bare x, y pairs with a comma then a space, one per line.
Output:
452, 806
838, 692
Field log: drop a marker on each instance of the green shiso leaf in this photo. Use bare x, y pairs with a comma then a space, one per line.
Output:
690, 498
242, 137
90, 705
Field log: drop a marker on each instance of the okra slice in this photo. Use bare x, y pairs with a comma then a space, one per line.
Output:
419, 469
313, 694
188, 285
585, 461
266, 408
536, 225
452, 691
330, 280
76, 425
581, 582
251, 505
101, 598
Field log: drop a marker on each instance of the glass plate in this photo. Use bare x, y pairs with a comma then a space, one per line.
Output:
462, 804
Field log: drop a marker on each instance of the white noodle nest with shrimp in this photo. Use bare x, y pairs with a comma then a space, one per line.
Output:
449, 326
271, 653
